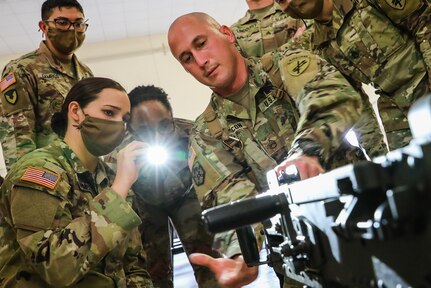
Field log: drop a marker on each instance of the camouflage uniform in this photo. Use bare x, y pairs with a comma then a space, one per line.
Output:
165, 194
257, 35
413, 17
367, 48
32, 90
315, 104
64, 226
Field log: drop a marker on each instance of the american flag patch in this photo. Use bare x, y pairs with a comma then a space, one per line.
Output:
7, 81
41, 176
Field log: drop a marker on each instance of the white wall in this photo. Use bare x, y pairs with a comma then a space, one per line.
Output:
145, 60
142, 61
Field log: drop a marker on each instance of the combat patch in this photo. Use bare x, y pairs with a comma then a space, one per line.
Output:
297, 64
7, 81
41, 177
198, 173
11, 96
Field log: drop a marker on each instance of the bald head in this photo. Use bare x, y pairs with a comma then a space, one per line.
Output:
206, 50
192, 19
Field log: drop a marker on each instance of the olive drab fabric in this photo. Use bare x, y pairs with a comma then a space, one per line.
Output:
33, 88
166, 194
64, 226
368, 48
414, 17
320, 106
265, 30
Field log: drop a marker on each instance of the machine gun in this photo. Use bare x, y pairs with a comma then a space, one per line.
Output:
361, 225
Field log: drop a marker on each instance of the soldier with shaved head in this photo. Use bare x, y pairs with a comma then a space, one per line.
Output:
291, 107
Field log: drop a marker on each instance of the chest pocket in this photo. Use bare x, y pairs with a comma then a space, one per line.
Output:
368, 40
274, 127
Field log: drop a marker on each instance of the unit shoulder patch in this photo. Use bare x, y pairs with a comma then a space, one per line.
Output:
41, 176
297, 64
397, 4
11, 96
397, 10
198, 173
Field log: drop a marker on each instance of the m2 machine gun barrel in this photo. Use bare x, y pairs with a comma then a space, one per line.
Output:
362, 225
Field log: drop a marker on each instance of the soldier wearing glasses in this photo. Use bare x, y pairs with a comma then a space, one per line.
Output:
165, 192
33, 86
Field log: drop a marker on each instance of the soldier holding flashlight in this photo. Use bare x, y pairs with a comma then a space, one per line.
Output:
164, 191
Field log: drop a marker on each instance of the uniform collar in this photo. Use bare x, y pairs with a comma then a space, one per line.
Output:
324, 33
78, 167
56, 64
227, 108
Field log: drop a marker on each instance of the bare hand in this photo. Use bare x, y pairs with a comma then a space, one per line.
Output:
230, 273
128, 167
308, 166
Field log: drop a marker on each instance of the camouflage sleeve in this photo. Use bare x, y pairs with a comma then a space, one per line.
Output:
134, 263
111, 159
217, 179
60, 246
328, 105
413, 17
18, 120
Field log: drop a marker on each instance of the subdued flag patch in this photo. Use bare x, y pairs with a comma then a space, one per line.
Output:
41, 177
8, 80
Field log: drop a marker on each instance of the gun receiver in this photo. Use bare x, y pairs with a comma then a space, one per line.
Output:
361, 225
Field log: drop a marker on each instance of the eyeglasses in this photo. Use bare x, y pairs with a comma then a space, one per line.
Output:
164, 127
65, 24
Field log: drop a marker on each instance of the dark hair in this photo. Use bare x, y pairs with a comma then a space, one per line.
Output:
84, 92
48, 5
146, 93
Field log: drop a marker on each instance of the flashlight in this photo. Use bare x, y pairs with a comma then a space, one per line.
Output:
157, 155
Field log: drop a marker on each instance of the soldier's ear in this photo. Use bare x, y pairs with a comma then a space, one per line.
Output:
225, 30
42, 27
74, 111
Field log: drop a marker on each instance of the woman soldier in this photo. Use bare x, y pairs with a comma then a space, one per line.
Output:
67, 219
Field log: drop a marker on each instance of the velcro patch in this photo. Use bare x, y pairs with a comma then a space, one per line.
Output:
192, 156
41, 177
397, 4
297, 64
11, 96
198, 173
267, 102
7, 81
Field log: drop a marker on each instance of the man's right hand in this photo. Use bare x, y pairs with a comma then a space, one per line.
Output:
232, 273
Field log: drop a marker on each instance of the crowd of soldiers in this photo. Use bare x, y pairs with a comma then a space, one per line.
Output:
80, 206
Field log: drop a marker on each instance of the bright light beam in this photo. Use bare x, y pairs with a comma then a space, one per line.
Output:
157, 155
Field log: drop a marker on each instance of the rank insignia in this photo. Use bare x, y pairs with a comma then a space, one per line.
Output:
396, 4
11, 96
41, 177
297, 64
198, 174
